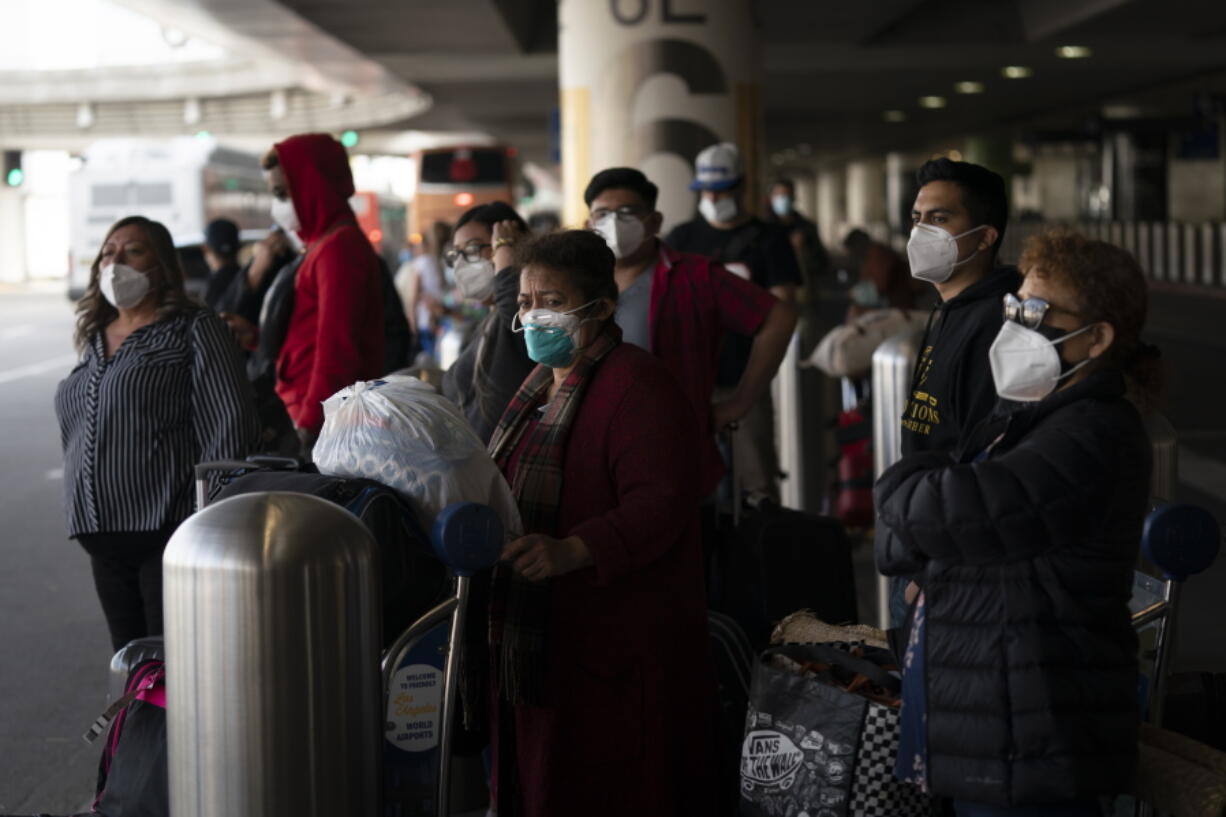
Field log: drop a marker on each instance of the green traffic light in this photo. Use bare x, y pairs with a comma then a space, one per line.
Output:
349, 138
15, 177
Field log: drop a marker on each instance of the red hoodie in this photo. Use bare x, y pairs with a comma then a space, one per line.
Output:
335, 334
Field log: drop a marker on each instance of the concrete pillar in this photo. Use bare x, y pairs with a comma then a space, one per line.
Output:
1056, 178
806, 192
12, 234
866, 200
649, 84
831, 215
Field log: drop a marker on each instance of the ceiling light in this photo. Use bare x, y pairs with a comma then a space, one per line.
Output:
1016, 71
894, 116
932, 101
969, 87
1073, 52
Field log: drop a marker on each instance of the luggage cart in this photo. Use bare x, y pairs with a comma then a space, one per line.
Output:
1179, 541
467, 538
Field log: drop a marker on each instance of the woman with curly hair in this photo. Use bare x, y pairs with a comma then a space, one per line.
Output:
1020, 681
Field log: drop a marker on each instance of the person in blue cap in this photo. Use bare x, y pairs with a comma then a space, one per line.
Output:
759, 252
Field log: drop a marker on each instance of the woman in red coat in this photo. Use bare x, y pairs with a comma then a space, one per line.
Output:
599, 653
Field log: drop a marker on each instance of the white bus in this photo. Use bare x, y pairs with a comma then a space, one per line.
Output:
184, 183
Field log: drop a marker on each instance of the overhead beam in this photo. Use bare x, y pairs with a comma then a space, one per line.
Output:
1046, 18
447, 68
533, 23
264, 29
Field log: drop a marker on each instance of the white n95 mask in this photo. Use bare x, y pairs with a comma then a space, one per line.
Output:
1025, 365
623, 235
122, 285
475, 279
284, 214
718, 211
933, 253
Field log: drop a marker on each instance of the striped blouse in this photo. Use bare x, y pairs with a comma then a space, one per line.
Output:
133, 427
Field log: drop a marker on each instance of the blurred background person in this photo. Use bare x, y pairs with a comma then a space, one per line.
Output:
802, 232
160, 387
883, 269
421, 284
221, 245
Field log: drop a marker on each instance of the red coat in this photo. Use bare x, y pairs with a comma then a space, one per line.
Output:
628, 727
335, 333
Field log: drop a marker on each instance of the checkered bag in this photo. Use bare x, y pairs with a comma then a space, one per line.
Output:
821, 736
875, 791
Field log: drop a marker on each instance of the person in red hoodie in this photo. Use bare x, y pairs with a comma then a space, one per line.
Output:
335, 333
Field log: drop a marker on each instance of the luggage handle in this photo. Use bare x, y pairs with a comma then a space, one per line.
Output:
826, 654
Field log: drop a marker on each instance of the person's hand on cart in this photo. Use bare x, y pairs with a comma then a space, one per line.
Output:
537, 557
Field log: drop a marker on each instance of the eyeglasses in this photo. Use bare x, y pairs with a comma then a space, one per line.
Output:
1029, 312
624, 213
471, 252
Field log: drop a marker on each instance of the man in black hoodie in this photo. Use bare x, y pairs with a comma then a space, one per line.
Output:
958, 223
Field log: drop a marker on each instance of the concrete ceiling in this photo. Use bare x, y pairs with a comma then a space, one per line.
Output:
831, 69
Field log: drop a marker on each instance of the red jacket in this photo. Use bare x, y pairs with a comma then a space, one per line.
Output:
694, 300
335, 333
626, 726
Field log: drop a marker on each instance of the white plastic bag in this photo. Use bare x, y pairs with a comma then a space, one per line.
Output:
400, 432
847, 350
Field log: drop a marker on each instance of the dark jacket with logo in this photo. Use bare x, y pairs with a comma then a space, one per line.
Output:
1027, 553
952, 388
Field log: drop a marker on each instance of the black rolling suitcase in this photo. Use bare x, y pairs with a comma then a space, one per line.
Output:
778, 561
732, 657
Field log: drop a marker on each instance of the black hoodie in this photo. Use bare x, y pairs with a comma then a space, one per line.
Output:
951, 385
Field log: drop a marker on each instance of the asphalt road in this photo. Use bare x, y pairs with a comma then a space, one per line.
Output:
54, 647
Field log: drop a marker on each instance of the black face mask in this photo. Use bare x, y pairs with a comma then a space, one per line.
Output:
1054, 334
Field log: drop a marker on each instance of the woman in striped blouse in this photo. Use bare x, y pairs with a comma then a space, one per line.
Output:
160, 387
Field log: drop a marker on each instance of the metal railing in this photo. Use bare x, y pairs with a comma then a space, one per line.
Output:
1193, 254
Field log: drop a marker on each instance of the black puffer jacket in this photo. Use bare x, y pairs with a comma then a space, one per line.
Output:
1027, 557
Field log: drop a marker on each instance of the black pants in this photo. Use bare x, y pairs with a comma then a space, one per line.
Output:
128, 576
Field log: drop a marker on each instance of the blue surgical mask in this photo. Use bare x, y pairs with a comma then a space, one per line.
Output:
782, 205
551, 336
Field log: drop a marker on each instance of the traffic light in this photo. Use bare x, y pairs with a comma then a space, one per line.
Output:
13, 174
349, 138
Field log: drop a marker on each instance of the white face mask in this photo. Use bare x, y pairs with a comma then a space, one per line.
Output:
933, 253
718, 211
782, 205
1026, 365
283, 213
624, 236
123, 286
475, 279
